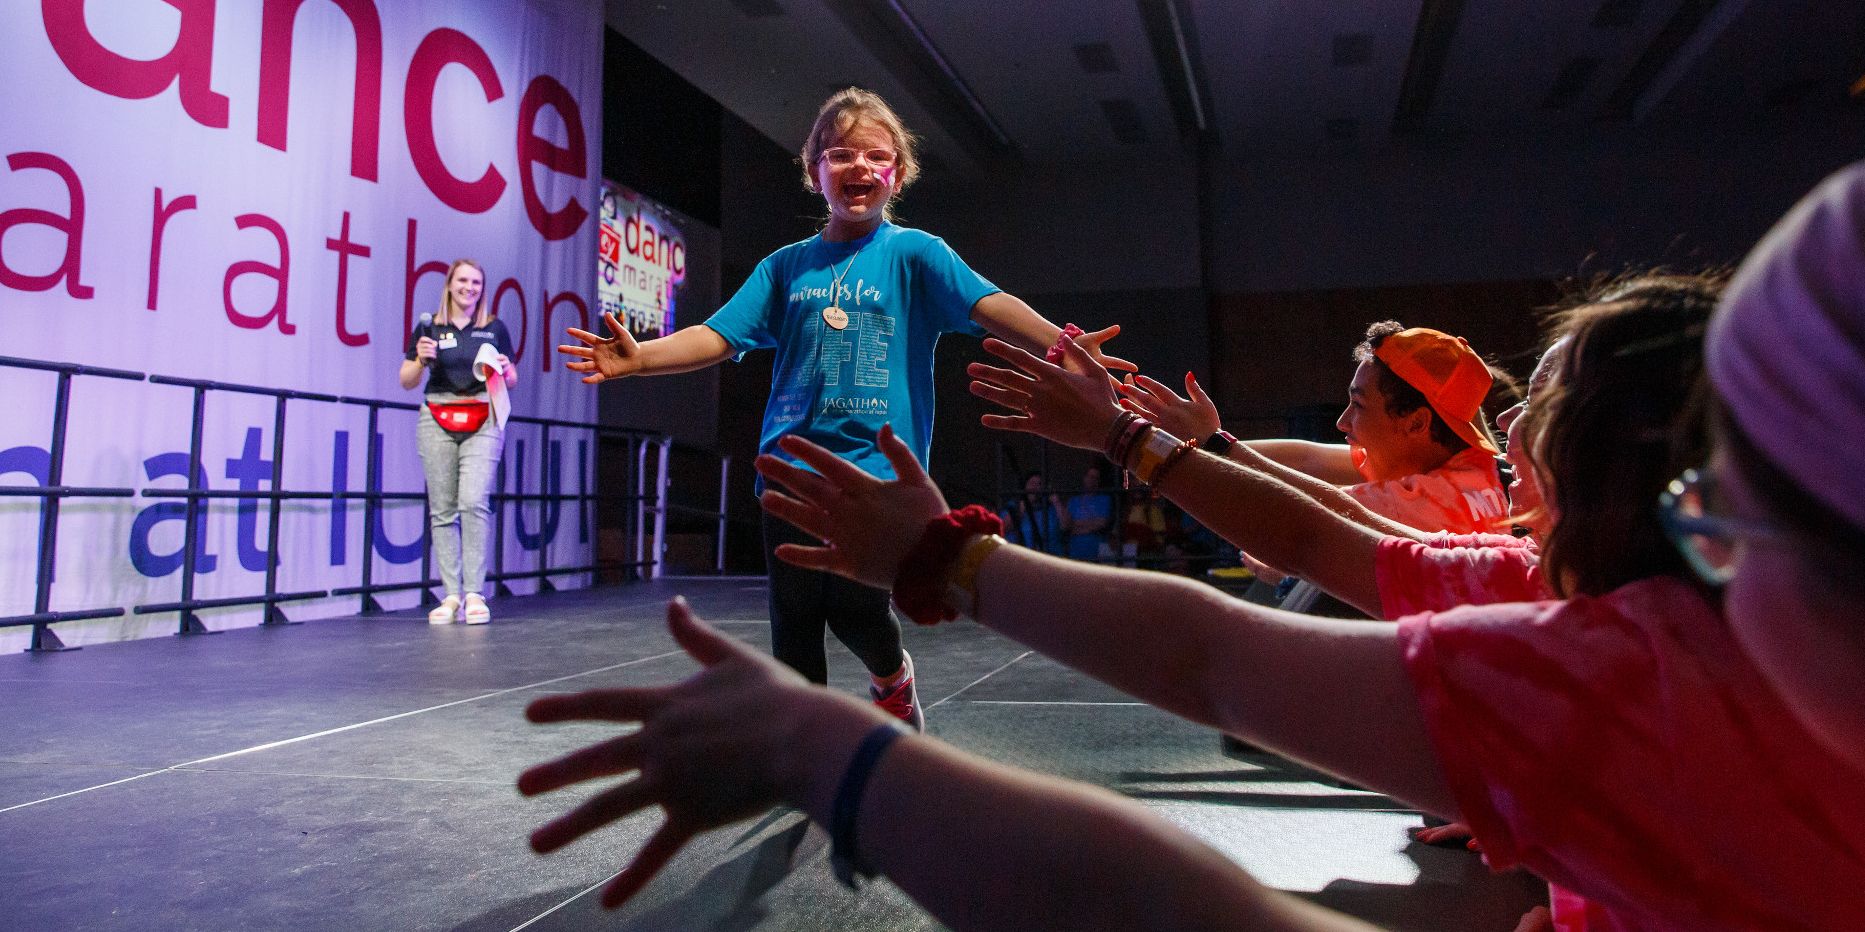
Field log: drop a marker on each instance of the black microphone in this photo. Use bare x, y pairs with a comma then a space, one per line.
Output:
425, 329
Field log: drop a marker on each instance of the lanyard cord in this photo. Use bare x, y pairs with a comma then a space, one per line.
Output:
835, 291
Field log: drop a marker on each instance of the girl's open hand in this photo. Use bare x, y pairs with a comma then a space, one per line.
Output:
603, 358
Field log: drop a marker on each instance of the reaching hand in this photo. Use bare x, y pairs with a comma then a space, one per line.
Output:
1448, 834
1071, 404
1193, 418
603, 358
1092, 343
1268, 574
867, 525
691, 733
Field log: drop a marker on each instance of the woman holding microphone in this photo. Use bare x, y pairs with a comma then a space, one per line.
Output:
457, 434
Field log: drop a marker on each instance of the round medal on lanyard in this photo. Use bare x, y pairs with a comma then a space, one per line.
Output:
832, 315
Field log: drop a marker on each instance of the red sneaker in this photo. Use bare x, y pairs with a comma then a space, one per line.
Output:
902, 700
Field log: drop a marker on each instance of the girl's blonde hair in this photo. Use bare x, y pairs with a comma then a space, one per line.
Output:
482, 315
838, 116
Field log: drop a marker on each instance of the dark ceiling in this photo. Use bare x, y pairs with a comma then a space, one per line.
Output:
1043, 82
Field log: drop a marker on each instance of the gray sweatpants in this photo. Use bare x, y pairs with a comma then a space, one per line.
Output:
459, 468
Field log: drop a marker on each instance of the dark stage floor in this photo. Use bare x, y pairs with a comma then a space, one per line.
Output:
357, 774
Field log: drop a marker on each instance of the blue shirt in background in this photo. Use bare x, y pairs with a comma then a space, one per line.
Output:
901, 289
1084, 507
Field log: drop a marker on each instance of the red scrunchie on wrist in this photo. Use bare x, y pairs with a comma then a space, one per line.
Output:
1056, 353
919, 586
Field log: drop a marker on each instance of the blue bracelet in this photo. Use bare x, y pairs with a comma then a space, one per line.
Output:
842, 856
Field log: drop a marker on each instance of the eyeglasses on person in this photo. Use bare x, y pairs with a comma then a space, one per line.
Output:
1711, 543
842, 156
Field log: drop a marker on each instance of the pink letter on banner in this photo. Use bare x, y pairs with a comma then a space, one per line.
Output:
441, 48
158, 227
281, 274
524, 314
572, 160
191, 59
72, 226
412, 274
275, 79
344, 249
550, 305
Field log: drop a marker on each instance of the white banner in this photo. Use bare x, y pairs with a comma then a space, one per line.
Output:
268, 193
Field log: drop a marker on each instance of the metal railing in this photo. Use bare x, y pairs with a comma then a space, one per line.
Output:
646, 456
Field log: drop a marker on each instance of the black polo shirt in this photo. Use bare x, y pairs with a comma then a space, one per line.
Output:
452, 369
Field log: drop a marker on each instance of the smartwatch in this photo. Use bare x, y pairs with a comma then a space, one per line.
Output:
1218, 443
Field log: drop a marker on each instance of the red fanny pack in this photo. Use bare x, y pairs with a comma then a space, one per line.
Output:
460, 417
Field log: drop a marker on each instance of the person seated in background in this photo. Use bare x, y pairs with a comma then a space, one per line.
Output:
1088, 518
1034, 519
1683, 753
1145, 525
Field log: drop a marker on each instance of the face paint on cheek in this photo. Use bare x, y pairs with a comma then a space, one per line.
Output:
887, 176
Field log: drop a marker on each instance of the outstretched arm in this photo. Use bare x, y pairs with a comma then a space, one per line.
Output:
979, 844
1332, 693
1194, 417
1330, 541
1009, 319
619, 356
1329, 462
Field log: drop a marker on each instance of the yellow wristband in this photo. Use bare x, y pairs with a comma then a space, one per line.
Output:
1153, 452
962, 589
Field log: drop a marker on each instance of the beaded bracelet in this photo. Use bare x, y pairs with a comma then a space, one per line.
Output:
1116, 429
1134, 433
920, 583
1172, 459
1056, 353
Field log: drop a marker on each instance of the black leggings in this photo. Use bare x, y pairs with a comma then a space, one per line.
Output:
803, 601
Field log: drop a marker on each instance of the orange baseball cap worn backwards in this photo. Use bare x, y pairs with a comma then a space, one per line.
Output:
1451, 376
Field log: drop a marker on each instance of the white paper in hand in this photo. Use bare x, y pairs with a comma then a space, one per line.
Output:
487, 369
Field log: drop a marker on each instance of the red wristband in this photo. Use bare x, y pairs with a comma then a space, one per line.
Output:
919, 586
1055, 352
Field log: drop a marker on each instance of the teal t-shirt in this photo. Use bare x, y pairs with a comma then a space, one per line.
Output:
901, 289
